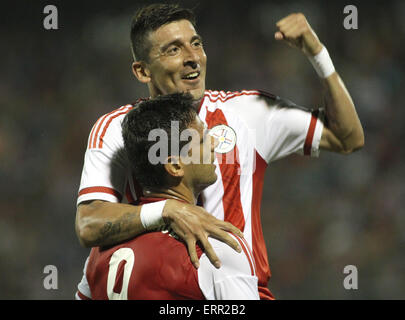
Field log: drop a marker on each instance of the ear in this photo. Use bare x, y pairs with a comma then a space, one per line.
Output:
174, 167
141, 71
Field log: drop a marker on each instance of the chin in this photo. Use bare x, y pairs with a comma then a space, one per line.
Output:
214, 178
211, 179
197, 94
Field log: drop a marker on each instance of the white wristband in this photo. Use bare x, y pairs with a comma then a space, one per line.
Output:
322, 63
152, 215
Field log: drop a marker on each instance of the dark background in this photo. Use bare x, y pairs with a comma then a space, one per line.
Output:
318, 215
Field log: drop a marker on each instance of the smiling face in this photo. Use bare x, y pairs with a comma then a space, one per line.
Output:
177, 61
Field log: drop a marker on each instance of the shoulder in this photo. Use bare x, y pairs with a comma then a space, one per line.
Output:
162, 254
158, 243
239, 102
113, 117
240, 263
251, 104
246, 108
109, 124
235, 96
230, 98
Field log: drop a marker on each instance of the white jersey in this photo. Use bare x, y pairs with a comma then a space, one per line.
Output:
165, 277
254, 128
235, 280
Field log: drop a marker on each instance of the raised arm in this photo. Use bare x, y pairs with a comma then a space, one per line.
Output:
101, 223
343, 132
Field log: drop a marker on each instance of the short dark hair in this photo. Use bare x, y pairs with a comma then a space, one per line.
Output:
150, 18
157, 113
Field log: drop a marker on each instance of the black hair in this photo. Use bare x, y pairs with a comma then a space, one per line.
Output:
157, 113
150, 18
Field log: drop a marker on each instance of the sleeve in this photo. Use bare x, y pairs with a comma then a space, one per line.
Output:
105, 168
236, 278
83, 288
280, 127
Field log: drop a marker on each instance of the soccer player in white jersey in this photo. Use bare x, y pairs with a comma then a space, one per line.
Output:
155, 266
255, 128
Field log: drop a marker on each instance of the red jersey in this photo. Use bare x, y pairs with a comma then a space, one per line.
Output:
155, 266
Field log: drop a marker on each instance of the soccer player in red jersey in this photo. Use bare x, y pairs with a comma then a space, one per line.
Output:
155, 265
254, 129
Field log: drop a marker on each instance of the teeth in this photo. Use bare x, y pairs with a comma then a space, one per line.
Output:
191, 75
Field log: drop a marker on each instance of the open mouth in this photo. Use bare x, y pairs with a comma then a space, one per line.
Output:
191, 76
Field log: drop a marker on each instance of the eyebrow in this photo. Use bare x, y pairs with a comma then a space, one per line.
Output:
196, 37
164, 47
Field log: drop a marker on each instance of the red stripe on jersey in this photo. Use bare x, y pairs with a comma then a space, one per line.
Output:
230, 173
247, 254
310, 134
223, 96
214, 97
100, 144
258, 244
93, 143
100, 121
82, 296
92, 131
101, 190
226, 94
250, 252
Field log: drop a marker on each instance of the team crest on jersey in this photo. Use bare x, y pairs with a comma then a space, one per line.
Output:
226, 138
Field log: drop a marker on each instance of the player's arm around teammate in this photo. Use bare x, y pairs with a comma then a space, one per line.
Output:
343, 133
191, 223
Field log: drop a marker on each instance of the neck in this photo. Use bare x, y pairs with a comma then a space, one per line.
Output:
179, 192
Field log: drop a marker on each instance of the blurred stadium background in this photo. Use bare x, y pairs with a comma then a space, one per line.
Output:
318, 215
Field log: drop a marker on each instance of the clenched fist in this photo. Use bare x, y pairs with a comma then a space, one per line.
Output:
296, 31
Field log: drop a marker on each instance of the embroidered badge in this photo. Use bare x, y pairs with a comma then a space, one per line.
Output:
226, 137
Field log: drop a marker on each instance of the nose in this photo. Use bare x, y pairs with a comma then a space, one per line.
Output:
191, 57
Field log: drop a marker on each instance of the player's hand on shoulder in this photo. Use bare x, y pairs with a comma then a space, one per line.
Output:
296, 32
193, 223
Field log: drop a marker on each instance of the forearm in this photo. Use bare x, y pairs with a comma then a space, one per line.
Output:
101, 223
341, 114
344, 131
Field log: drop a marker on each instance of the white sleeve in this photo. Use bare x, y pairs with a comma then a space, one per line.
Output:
280, 127
83, 288
105, 168
236, 278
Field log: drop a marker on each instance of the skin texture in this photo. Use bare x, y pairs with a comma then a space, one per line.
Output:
344, 133
195, 167
201, 170
176, 50
195, 176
